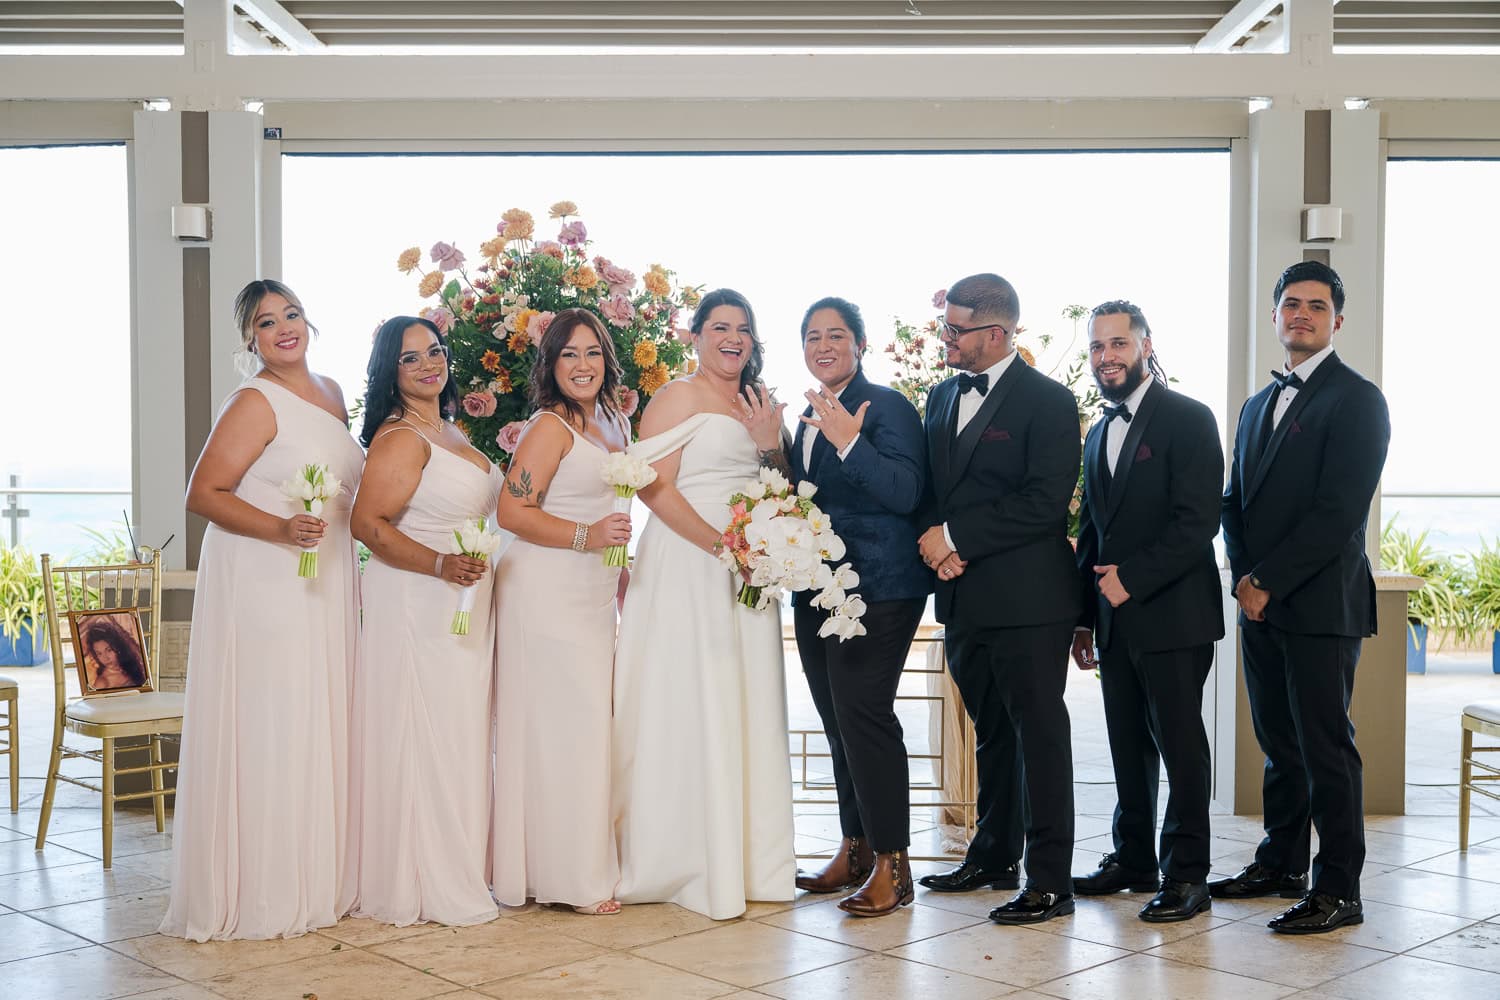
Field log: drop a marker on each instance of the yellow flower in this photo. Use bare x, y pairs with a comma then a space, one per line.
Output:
490, 361
493, 248
408, 261
524, 317
518, 224
645, 353
583, 277
562, 209
431, 284
654, 378
657, 282
689, 366
519, 342
690, 297
1026, 355
502, 384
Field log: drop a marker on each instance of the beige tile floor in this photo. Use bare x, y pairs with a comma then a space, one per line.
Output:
70, 930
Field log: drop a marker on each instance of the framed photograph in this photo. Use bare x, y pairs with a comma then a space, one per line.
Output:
108, 649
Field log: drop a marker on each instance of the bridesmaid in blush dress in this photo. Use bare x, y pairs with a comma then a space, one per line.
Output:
552, 837
422, 709
259, 840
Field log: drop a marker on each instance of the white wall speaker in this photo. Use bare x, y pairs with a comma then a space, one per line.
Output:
192, 222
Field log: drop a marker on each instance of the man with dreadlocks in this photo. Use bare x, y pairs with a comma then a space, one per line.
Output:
1153, 468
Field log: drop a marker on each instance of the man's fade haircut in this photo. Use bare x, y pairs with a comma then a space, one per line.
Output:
1311, 270
990, 296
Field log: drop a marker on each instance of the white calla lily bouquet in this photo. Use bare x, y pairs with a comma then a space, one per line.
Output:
313, 486
781, 541
628, 474
475, 540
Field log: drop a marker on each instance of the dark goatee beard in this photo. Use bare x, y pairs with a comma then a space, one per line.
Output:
1134, 376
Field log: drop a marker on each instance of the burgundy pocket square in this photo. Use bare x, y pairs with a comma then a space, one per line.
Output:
1142, 453
991, 434
1296, 428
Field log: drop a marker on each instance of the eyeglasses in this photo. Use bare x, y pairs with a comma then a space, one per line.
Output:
411, 359
954, 332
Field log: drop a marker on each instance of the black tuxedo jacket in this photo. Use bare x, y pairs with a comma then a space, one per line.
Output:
1155, 518
872, 495
1295, 509
1003, 487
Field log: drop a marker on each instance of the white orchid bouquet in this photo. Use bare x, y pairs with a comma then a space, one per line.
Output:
313, 486
475, 540
628, 474
779, 540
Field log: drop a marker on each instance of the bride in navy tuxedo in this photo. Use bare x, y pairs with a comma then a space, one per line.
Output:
861, 444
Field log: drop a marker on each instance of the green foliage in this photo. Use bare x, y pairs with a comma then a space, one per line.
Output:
1440, 602
23, 601
1482, 590
105, 548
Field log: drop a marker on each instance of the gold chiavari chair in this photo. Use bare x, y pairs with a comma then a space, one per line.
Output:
127, 587
10, 693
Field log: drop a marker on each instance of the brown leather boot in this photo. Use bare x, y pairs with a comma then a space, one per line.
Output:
847, 868
888, 888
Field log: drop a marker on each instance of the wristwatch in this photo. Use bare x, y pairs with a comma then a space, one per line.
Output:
1255, 582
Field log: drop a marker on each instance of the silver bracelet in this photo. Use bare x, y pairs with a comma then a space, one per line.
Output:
580, 536
437, 567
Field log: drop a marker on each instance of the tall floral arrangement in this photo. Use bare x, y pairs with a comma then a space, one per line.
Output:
918, 355
493, 314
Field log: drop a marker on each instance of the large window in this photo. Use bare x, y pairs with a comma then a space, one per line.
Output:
1441, 477
65, 378
884, 231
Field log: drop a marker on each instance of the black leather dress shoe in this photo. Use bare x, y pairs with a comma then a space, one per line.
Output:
1032, 907
1318, 913
1176, 901
970, 876
1111, 876
1255, 880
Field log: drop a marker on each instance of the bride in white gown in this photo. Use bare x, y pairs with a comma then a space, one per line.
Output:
701, 777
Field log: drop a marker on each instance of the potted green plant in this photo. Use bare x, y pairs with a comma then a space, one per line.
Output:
23, 610
1438, 604
1483, 593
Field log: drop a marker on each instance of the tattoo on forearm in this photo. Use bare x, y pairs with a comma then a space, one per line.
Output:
775, 458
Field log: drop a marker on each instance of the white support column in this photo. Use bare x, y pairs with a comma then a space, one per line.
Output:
234, 141
157, 432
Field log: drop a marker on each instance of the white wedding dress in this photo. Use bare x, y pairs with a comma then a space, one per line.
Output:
701, 778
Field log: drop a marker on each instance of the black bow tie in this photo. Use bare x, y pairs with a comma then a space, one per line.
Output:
1287, 380
1122, 411
979, 383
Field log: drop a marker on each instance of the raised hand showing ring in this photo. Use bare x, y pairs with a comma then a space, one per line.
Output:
761, 415
837, 424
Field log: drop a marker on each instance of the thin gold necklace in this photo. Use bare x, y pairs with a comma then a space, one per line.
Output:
437, 427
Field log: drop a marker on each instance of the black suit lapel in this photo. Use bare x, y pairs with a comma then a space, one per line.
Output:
1288, 420
965, 443
1134, 430
942, 408
797, 439
1094, 484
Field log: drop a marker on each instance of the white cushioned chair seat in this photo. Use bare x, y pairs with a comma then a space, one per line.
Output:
1485, 711
127, 708
7, 684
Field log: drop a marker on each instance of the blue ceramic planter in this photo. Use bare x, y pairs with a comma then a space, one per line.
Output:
1416, 648
29, 649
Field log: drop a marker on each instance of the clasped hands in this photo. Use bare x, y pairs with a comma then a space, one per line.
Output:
1252, 599
938, 556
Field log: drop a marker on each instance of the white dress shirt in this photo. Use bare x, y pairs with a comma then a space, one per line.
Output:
969, 403
1118, 427
1288, 393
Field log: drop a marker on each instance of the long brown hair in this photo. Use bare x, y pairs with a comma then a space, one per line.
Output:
545, 391
750, 374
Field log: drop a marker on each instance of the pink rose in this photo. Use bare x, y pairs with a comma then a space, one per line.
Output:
600, 263
480, 404
537, 325
573, 234
617, 309
510, 436
440, 317
549, 247
630, 401
446, 256
940, 298
617, 278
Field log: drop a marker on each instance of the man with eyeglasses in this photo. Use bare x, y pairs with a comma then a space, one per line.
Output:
1003, 451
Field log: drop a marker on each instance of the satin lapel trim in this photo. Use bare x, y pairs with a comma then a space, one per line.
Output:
940, 438
1093, 485
1135, 430
963, 448
820, 450
797, 446
1263, 465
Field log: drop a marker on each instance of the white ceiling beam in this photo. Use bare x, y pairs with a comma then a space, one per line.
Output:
1234, 24
279, 21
